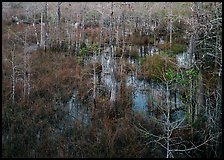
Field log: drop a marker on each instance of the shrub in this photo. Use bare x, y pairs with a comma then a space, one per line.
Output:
64, 46
134, 54
118, 52
178, 48
55, 47
151, 40
154, 67
164, 46
82, 51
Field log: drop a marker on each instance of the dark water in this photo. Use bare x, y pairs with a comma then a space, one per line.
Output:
143, 94
31, 48
77, 111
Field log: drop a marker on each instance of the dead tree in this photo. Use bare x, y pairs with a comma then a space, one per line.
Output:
46, 28
13, 76
58, 22
112, 64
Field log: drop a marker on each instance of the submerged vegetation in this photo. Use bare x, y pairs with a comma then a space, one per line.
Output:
112, 79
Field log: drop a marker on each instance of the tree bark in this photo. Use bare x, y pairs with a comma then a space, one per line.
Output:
112, 70
34, 21
46, 27
41, 30
13, 73
171, 27
58, 22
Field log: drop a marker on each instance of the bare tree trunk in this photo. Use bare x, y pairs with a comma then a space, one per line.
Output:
100, 44
118, 31
94, 80
83, 26
58, 23
168, 124
171, 33
46, 27
218, 102
35, 29
13, 73
75, 35
171, 27
154, 33
201, 91
123, 31
217, 69
112, 70
69, 36
123, 52
25, 68
41, 29
28, 76
59, 11
94, 72
192, 107
191, 60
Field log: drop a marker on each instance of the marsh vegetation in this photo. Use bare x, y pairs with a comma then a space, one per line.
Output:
112, 79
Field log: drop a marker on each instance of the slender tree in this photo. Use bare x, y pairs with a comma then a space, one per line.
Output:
46, 27
112, 67
58, 23
13, 76
41, 29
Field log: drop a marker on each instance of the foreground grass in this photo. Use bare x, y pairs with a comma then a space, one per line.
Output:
31, 125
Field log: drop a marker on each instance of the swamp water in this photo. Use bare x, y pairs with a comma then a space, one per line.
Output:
143, 94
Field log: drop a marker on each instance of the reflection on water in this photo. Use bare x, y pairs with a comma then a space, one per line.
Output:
77, 111
31, 48
154, 93
183, 60
143, 94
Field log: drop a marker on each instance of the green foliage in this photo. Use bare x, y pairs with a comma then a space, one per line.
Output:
151, 40
93, 48
191, 73
181, 78
118, 52
164, 47
170, 74
134, 54
178, 48
59, 47
175, 49
142, 60
64, 46
82, 51
153, 67
161, 29
54, 76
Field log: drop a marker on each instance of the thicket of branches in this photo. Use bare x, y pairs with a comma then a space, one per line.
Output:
44, 53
